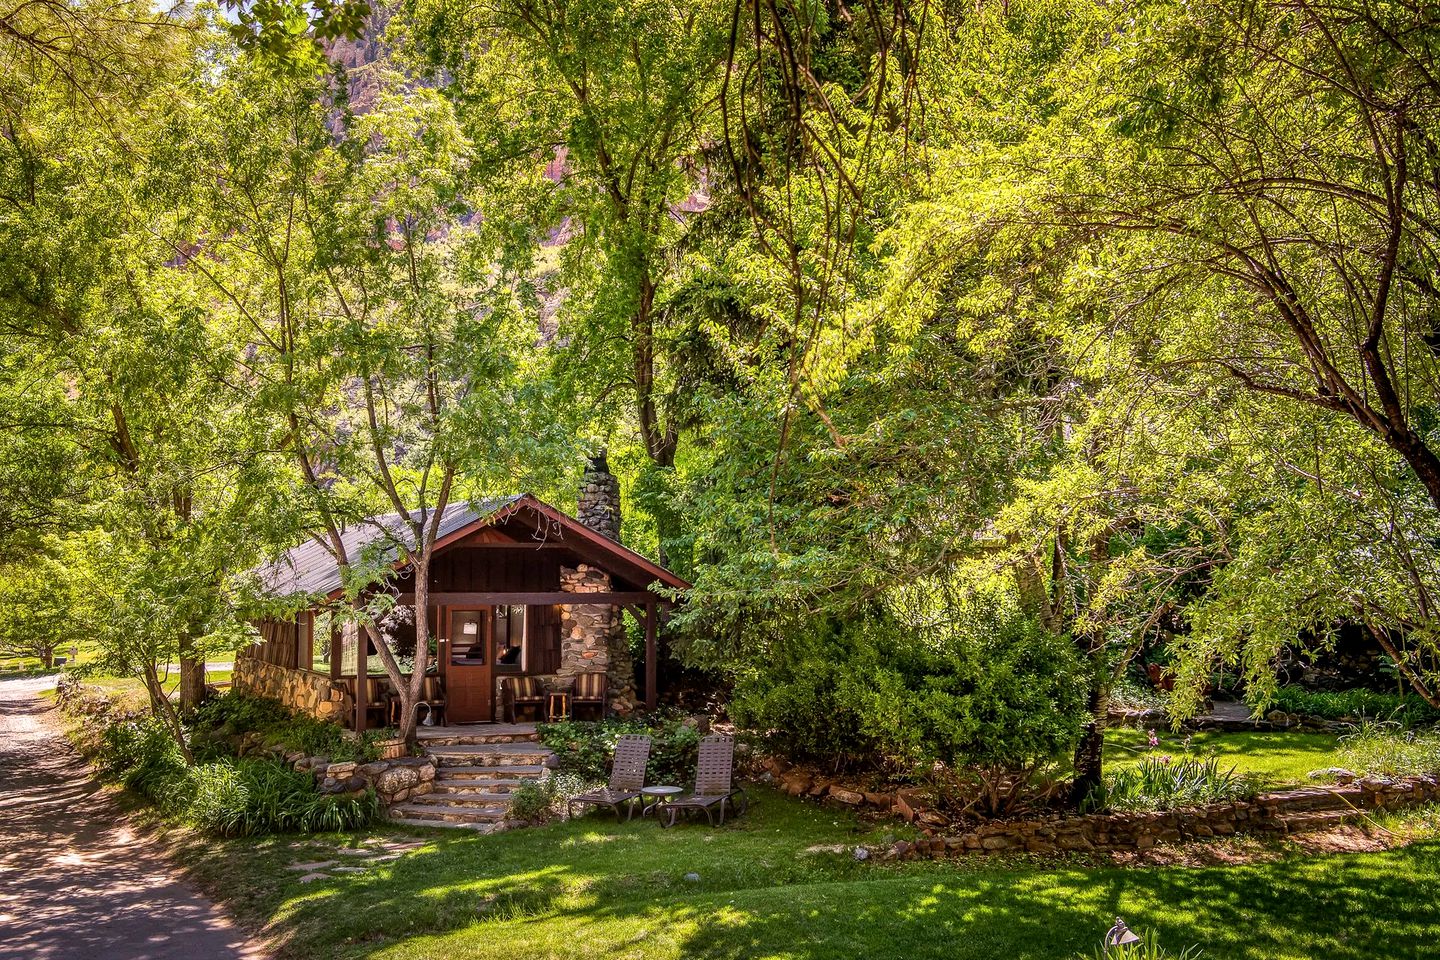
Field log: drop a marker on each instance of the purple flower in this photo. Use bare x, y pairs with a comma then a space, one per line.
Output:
1165, 758
1154, 740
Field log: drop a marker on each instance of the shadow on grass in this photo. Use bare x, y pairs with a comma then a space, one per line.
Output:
596, 889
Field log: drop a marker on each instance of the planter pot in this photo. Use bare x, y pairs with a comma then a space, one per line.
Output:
392, 749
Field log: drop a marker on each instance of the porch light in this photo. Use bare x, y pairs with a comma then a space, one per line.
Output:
1119, 936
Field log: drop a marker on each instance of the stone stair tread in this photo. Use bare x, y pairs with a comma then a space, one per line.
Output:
461, 797
426, 811
482, 827
498, 770
497, 749
466, 785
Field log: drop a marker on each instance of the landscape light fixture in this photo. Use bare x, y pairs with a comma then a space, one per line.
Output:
1119, 936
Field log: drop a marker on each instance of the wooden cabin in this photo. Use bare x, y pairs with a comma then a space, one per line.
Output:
518, 589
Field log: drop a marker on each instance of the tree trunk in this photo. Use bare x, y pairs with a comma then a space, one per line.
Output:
164, 710
192, 675
1090, 752
410, 694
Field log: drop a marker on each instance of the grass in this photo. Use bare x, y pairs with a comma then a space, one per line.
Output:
592, 888
1279, 758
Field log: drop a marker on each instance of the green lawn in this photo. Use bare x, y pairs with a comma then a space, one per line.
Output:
1280, 758
596, 889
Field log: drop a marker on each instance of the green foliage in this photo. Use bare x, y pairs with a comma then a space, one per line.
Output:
1145, 949
225, 797
536, 801
586, 748
1385, 750
1000, 693
232, 714
1356, 704
1160, 783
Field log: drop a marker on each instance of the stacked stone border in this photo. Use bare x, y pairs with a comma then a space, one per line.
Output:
394, 779
1275, 813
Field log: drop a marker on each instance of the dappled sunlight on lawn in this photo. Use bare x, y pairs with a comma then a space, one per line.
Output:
594, 888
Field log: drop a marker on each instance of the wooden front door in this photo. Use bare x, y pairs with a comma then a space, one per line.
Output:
469, 687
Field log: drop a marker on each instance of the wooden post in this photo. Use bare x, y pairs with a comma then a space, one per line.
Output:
651, 694
305, 637
362, 677
337, 651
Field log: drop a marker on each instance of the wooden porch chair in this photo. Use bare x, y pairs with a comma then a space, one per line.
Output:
432, 695
591, 690
714, 773
627, 776
517, 693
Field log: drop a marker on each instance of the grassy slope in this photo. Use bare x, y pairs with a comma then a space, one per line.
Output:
1280, 758
595, 889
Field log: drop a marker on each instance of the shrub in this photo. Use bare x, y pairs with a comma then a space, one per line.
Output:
1357, 704
585, 748
1157, 783
230, 715
999, 693
1384, 749
226, 797
538, 800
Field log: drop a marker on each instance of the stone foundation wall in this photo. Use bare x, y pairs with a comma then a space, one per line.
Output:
301, 690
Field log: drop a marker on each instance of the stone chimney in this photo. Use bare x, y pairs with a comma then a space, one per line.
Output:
599, 500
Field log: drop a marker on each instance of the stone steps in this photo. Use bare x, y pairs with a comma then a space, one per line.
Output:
475, 772
463, 798
481, 784
488, 755
497, 772
460, 737
450, 813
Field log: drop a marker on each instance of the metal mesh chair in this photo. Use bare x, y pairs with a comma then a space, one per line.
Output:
627, 776
714, 787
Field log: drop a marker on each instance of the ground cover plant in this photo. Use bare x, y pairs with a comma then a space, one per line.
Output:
781, 882
221, 795
1353, 705
232, 715
1388, 750
1163, 783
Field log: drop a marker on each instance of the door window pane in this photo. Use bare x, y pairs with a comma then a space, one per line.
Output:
510, 637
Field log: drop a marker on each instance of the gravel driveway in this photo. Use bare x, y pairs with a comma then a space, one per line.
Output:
76, 879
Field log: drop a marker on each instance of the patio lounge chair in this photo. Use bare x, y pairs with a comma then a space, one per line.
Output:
714, 773
627, 776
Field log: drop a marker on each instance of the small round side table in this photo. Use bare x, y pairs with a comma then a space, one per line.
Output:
658, 797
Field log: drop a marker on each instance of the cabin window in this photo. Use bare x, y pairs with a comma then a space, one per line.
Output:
510, 638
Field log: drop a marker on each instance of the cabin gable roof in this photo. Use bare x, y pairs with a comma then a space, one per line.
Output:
311, 569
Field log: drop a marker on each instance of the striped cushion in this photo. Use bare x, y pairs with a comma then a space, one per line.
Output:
524, 688
589, 686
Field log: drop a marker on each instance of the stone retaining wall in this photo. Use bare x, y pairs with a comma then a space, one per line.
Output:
394, 780
1289, 811
303, 691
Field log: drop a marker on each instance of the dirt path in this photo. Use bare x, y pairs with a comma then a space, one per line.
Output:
76, 880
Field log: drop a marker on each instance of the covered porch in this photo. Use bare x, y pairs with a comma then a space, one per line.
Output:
524, 606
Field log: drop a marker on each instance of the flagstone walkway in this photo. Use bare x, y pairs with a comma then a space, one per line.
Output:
77, 881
